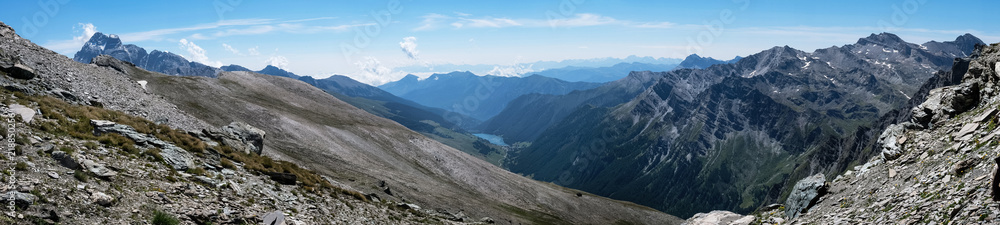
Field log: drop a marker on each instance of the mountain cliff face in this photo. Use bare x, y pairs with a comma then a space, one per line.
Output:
157, 61
732, 136
345, 146
479, 97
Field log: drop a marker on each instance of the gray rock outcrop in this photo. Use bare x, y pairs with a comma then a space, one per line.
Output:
176, 157
19, 71
804, 195
251, 139
22, 200
943, 103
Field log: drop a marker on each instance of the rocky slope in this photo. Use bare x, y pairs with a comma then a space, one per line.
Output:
734, 136
157, 61
347, 148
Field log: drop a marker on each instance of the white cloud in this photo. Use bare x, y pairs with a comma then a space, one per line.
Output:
486, 22
85, 30
373, 72
432, 21
231, 49
253, 51
514, 70
197, 53
409, 46
278, 61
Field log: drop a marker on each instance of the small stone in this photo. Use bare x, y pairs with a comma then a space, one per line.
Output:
892, 173
946, 179
102, 199
53, 175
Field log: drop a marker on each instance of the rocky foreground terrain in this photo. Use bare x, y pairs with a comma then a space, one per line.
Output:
941, 167
111, 143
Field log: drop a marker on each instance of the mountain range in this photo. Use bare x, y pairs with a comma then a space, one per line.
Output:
527, 68
480, 97
157, 61
731, 136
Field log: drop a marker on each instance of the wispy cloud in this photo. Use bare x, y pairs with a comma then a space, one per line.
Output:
253, 51
159, 34
197, 53
231, 49
431, 21
462, 20
226, 28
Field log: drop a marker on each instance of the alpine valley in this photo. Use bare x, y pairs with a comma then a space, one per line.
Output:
418, 124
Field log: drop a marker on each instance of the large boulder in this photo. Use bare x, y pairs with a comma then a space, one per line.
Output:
19, 71
22, 200
65, 160
98, 169
889, 142
805, 194
252, 138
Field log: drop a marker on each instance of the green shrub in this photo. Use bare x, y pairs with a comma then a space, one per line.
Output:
226, 163
81, 176
162, 218
21, 166
155, 153
90, 145
196, 171
67, 150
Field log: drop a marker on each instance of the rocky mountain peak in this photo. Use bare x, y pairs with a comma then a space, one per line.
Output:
234, 67
884, 38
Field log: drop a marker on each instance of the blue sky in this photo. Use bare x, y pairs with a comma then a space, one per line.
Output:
368, 40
